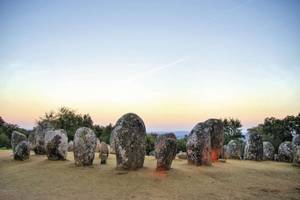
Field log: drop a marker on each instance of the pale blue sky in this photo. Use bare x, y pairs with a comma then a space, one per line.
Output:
173, 62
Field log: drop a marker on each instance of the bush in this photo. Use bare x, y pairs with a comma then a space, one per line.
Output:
4, 141
150, 142
181, 144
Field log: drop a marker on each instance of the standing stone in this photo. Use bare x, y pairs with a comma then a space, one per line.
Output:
56, 142
223, 152
31, 139
254, 147
84, 146
103, 152
216, 136
285, 152
182, 155
165, 151
70, 146
22, 151
97, 146
16, 138
269, 151
233, 150
296, 150
199, 145
129, 141
40, 132
112, 143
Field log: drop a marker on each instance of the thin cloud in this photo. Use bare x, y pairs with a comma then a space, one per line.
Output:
155, 70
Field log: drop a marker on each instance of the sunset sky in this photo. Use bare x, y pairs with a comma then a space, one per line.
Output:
174, 63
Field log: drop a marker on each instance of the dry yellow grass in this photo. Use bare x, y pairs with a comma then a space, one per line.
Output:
40, 178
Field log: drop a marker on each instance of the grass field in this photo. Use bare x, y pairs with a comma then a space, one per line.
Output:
40, 178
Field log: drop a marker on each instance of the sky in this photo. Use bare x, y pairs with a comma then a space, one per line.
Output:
174, 63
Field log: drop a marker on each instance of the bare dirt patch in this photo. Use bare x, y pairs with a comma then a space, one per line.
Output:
40, 178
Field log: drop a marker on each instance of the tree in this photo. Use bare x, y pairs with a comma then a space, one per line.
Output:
277, 131
150, 142
103, 132
232, 130
6, 130
4, 141
181, 144
68, 120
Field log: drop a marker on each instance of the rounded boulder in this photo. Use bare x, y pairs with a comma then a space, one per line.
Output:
233, 150
254, 147
129, 141
296, 150
103, 152
216, 136
56, 142
70, 145
269, 151
16, 138
199, 145
165, 151
22, 151
285, 152
84, 146
39, 146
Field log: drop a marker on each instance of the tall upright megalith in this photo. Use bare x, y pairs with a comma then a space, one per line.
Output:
129, 141
56, 142
84, 146
296, 150
165, 151
269, 151
20, 146
216, 136
39, 146
254, 148
199, 145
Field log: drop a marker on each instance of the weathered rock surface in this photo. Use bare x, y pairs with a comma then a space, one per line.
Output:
97, 146
254, 147
56, 142
296, 150
31, 139
199, 145
165, 150
84, 146
269, 151
233, 150
182, 155
39, 146
70, 145
22, 151
112, 143
129, 141
223, 152
216, 136
103, 152
285, 152
16, 138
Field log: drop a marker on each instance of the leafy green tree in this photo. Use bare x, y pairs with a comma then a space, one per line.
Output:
4, 141
150, 142
6, 130
232, 130
103, 132
181, 144
68, 120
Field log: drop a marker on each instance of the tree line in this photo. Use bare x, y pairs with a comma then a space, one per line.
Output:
272, 129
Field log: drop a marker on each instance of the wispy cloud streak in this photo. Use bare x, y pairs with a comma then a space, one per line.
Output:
153, 70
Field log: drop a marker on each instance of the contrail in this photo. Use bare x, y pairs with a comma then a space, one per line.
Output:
155, 69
